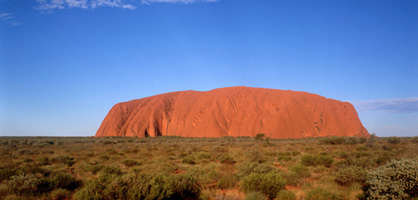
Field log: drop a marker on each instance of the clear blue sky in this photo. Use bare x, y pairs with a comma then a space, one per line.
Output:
65, 63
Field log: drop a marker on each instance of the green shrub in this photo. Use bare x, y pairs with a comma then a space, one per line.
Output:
286, 195
268, 184
259, 137
284, 158
247, 168
394, 140
352, 140
227, 181
301, 171
45, 185
254, 155
332, 140
309, 160
94, 168
66, 181
160, 186
24, 184
60, 194
188, 160
106, 187
64, 159
44, 161
130, 163
30, 169
322, 194
291, 178
350, 175
395, 180
201, 156
325, 161
111, 170
6, 171
225, 159
255, 196
143, 186
414, 140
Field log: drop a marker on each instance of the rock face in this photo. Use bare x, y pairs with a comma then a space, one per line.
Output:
234, 111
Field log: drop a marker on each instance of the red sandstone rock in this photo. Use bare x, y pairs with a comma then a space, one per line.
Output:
234, 111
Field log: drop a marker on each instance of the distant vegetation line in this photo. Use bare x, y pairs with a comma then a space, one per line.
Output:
172, 167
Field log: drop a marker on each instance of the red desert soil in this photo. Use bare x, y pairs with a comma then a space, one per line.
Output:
233, 111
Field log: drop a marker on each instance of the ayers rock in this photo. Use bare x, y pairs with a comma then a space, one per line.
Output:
233, 111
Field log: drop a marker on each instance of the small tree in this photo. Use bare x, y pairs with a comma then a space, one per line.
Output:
259, 137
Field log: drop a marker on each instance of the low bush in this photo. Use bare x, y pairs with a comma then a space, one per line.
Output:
111, 170
351, 174
64, 159
309, 160
43, 161
268, 184
130, 163
188, 160
395, 180
31, 169
24, 184
332, 140
322, 194
286, 195
227, 181
143, 186
291, 178
414, 140
254, 155
255, 196
226, 159
247, 168
301, 171
6, 171
204, 156
394, 140
66, 181
106, 187
60, 194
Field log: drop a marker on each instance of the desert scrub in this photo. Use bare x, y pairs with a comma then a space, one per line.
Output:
203, 155
69, 161
23, 184
227, 181
268, 184
284, 156
65, 181
286, 195
130, 163
255, 196
111, 170
332, 140
188, 160
309, 160
351, 174
61, 194
395, 180
254, 155
247, 168
322, 194
225, 159
143, 186
414, 140
301, 171
394, 140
